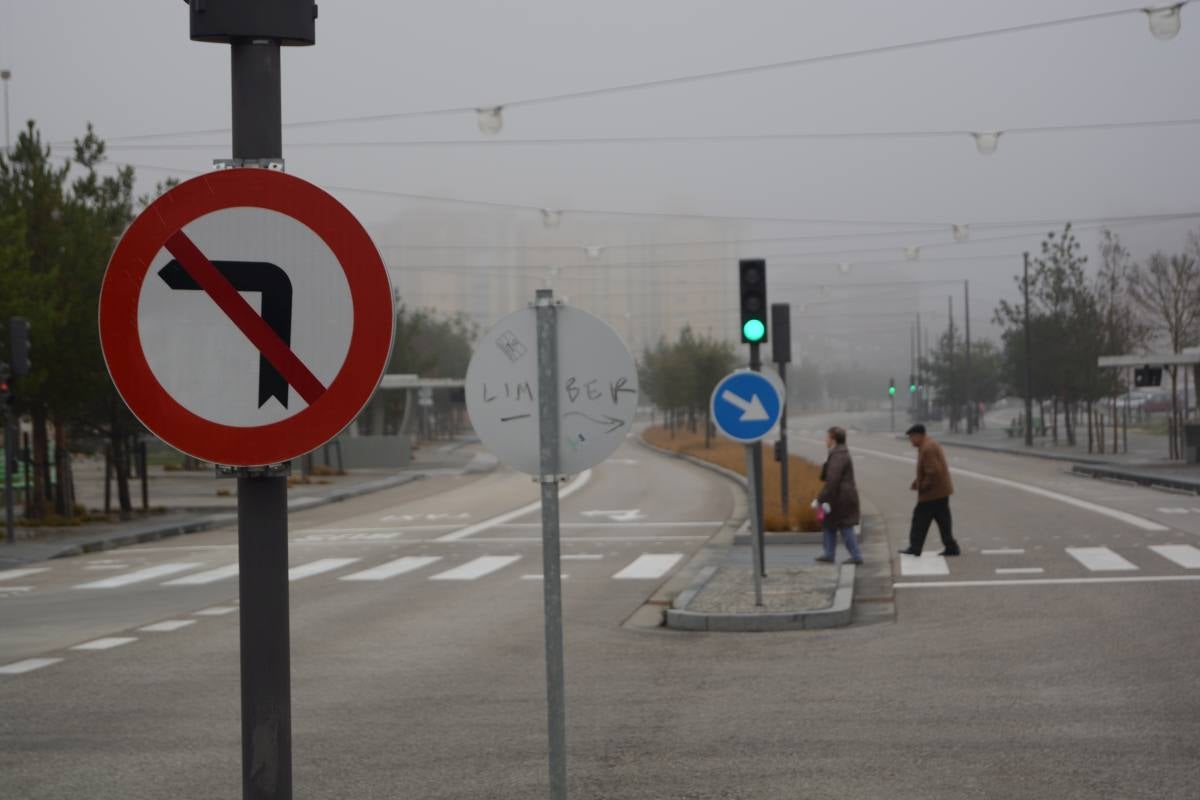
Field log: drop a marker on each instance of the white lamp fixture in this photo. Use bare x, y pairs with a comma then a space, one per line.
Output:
491, 120
1165, 22
593, 251
961, 232
986, 141
912, 253
551, 218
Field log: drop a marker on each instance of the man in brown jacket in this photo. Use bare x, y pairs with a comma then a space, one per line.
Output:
933, 487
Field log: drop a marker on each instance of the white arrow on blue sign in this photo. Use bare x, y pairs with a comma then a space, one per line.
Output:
747, 405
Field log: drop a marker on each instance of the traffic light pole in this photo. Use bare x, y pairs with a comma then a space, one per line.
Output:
755, 474
10, 463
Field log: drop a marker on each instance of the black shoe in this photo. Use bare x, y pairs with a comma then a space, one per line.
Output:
855, 561
825, 559
908, 551
949, 552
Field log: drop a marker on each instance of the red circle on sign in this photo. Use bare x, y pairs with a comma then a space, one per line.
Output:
370, 340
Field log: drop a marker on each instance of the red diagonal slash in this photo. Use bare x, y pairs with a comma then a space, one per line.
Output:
243, 316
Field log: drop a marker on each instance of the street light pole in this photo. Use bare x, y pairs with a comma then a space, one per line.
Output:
967, 358
5, 74
1028, 366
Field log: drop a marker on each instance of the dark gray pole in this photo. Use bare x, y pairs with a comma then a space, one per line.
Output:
781, 347
783, 449
967, 357
10, 463
262, 494
1028, 363
756, 458
547, 345
950, 368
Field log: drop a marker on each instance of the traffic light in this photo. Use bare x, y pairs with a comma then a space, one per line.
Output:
891, 387
912, 384
752, 287
18, 344
1147, 376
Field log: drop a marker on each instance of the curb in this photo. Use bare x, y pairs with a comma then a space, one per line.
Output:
206, 523
1023, 453
699, 462
1141, 479
835, 616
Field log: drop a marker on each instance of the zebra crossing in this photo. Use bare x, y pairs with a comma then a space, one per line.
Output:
359, 570
1101, 560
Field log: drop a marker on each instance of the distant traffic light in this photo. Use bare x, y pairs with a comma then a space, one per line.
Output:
912, 384
752, 287
18, 343
892, 387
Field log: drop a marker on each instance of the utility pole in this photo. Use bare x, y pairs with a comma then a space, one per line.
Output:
920, 377
5, 75
950, 402
967, 358
1028, 363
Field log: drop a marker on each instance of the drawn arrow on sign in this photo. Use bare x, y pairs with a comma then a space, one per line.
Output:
613, 421
752, 409
272, 347
276, 289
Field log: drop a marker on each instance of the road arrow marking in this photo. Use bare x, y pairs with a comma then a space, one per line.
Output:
752, 409
617, 515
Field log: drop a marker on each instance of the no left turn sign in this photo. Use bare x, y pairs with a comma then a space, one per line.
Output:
246, 317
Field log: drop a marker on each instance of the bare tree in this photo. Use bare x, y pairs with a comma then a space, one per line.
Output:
1167, 288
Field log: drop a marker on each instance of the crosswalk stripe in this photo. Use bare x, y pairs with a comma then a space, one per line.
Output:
924, 564
28, 665
318, 566
649, 565
1185, 555
105, 644
1020, 571
476, 568
14, 574
1100, 559
138, 576
392, 568
167, 625
215, 611
201, 578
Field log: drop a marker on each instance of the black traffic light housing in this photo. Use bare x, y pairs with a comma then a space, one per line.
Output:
752, 290
891, 387
291, 22
1147, 376
18, 346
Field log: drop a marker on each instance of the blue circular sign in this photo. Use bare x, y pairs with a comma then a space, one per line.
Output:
747, 405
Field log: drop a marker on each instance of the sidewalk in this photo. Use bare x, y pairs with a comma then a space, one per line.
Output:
190, 502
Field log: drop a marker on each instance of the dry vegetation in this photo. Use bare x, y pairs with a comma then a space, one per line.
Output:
804, 477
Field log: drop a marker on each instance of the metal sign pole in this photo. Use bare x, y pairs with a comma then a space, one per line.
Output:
10, 463
756, 483
548, 428
262, 495
755, 523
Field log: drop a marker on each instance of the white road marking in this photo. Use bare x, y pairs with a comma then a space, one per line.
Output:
1172, 510
15, 589
147, 574
1100, 559
318, 566
521, 539
426, 517
168, 625
1020, 571
387, 534
617, 515
476, 568
1130, 519
98, 567
568, 490
582, 557
105, 644
928, 563
649, 565
1046, 581
14, 574
1184, 555
392, 568
202, 578
216, 611
28, 665
540, 577
1004, 551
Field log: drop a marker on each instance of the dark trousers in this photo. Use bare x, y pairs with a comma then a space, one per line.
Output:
926, 513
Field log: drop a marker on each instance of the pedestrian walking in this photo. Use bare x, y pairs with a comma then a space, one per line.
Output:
839, 498
933, 487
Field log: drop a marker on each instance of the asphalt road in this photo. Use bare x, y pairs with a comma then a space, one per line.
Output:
423, 678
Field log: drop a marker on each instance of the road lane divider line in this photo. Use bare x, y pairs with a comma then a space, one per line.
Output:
167, 625
541, 577
1185, 555
203, 578
1123, 516
392, 568
28, 665
14, 574
317, 567
1045, 581
215, 611
108, 643
476, 568
571, 488
138, 576
649, 565
1100, 559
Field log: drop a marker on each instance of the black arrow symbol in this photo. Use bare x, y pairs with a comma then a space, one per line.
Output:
613, 421
276, 289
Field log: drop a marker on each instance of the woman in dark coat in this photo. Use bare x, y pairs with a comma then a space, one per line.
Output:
839, 499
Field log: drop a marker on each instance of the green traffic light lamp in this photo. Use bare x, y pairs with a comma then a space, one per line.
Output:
892, 391
754, 330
